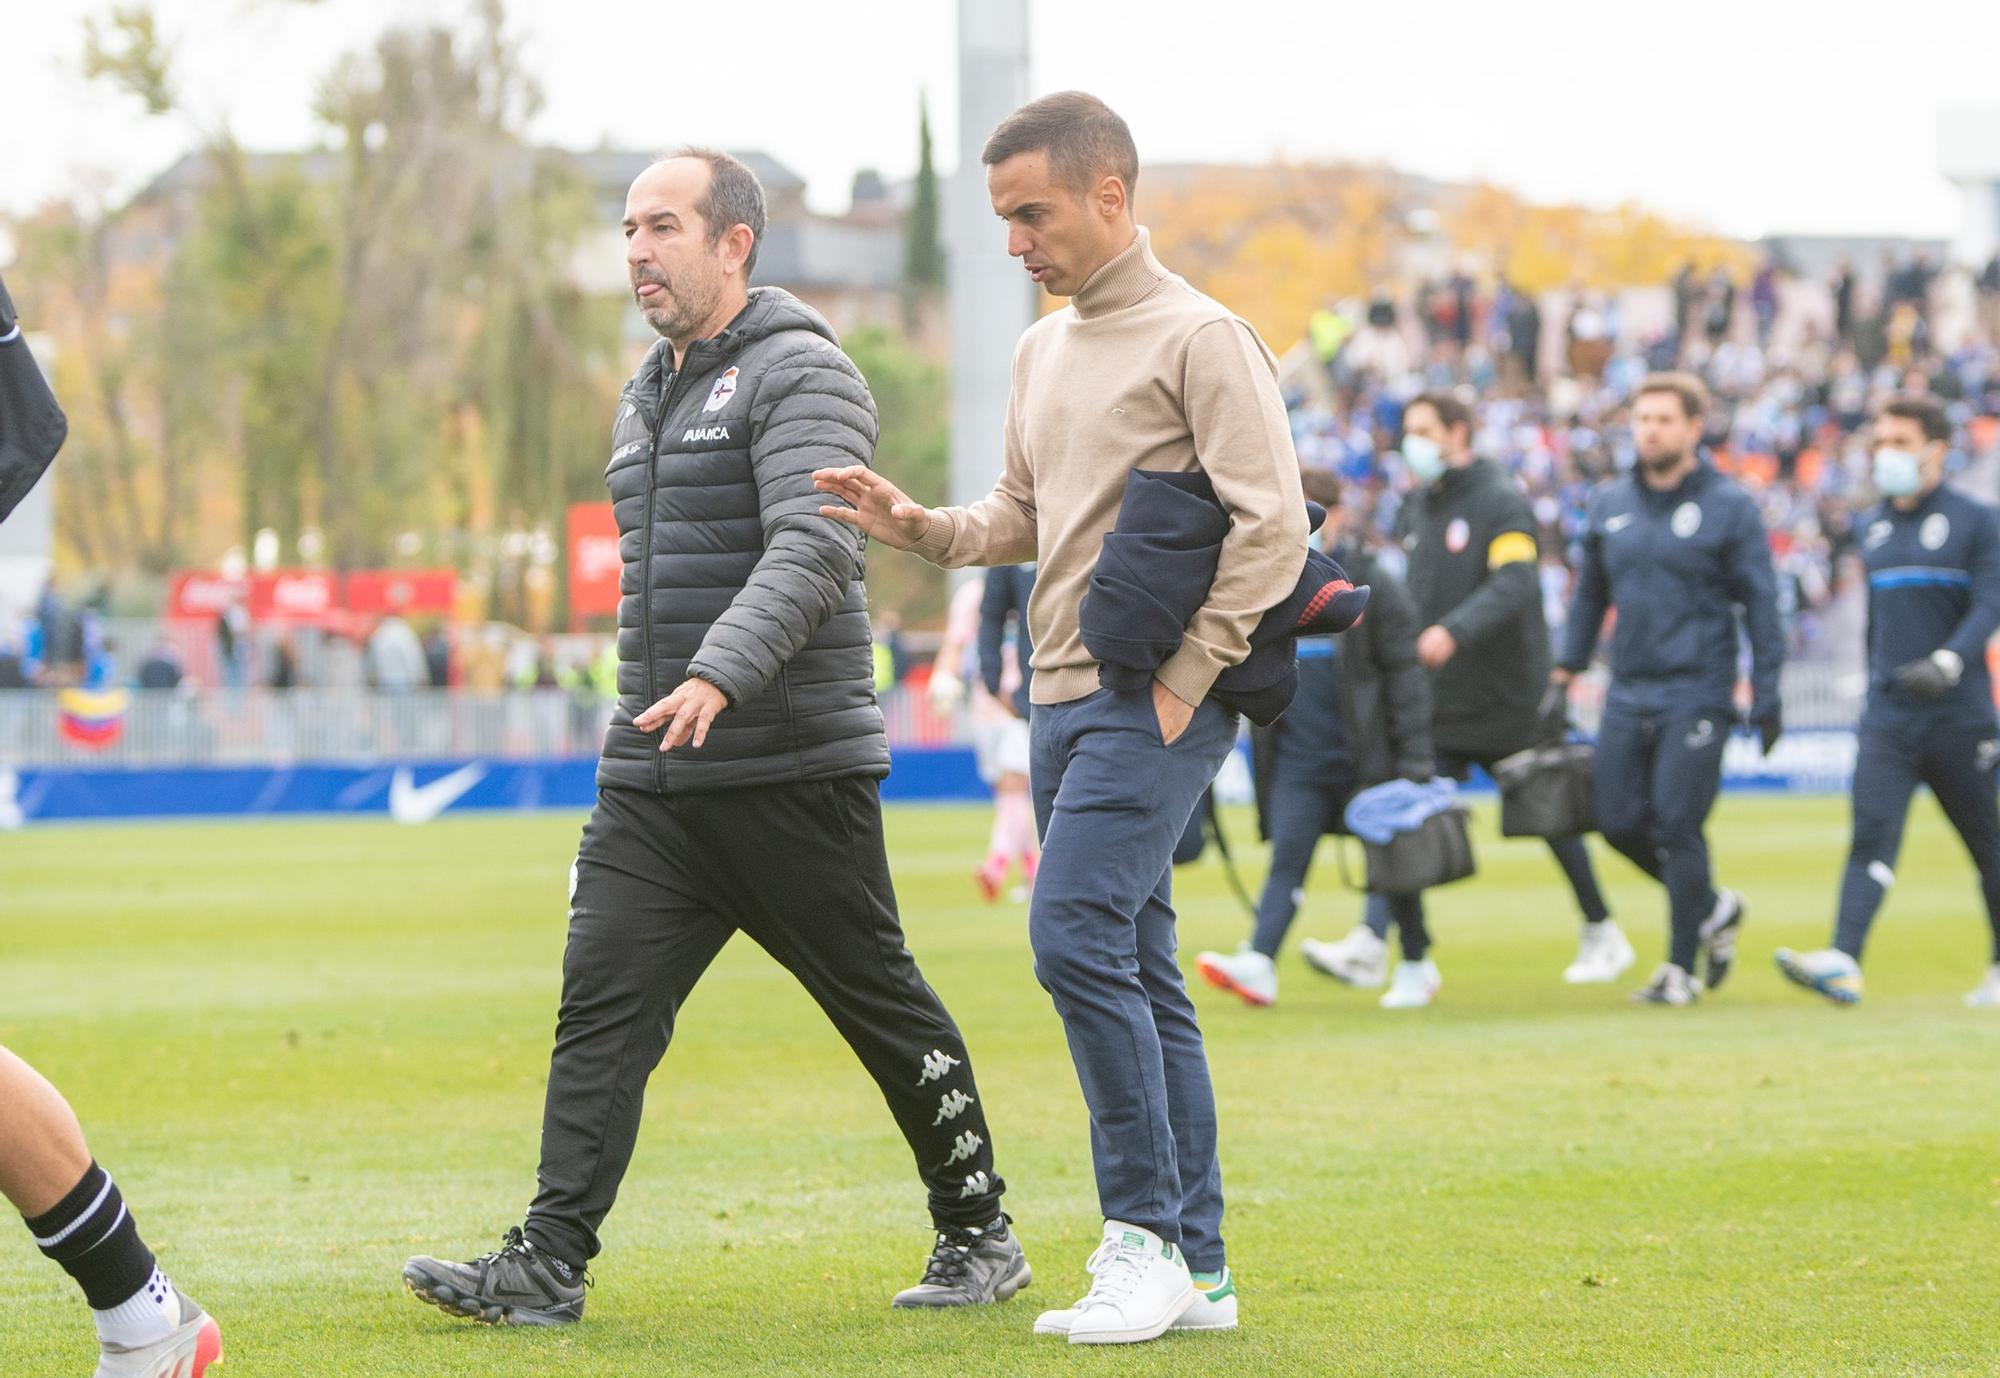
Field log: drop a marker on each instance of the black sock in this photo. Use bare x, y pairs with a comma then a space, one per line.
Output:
95, 1239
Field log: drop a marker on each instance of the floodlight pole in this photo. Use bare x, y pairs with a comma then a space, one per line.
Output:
992, 301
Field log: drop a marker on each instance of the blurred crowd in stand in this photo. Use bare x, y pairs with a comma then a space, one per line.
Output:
1795, 364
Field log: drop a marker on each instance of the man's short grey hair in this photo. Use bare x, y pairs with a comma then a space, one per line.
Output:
1084, 138
734, 197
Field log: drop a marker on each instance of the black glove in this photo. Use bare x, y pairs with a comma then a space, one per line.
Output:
1770, 725
1552, 713
1930, 678
6, 310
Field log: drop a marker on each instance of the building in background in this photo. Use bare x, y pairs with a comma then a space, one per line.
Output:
1969, 155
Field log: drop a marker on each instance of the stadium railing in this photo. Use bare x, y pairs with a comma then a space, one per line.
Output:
261, 727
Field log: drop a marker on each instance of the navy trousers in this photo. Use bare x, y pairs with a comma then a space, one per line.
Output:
1304, 806
1658, 771
1899, 751
1111, 800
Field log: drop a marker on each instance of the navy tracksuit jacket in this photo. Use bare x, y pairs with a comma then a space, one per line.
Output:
1680, 567
1933, 583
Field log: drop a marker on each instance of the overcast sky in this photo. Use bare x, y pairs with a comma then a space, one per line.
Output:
1741, 115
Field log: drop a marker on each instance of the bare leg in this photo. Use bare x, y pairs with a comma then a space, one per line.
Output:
42, 1153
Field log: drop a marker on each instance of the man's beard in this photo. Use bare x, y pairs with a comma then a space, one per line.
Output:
688, 311
1661, 463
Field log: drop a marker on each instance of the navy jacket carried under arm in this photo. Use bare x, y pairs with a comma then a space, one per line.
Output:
1154, 574
1006, 594
1933, 584
1681, 567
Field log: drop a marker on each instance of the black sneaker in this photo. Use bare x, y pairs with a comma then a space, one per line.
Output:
970, 1268
1669, 986
516, 1284
1718, 937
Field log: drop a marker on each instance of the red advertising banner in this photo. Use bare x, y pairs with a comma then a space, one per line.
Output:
594, 562
310, 595
378, 591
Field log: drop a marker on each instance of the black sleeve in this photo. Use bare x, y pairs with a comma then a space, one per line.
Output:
994, 603
1976, 628
1512, 586
32, 426
1587, 606
1754, 585
1392, 630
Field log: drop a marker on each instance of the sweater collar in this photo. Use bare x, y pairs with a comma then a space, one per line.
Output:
1125, 281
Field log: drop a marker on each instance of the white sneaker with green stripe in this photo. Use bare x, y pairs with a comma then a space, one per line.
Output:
1214, 1303
1214, 1306
1140, 1287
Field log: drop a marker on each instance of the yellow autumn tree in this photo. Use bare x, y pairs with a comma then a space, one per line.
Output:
1276, 242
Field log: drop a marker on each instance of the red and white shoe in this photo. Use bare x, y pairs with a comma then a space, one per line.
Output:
991, 878
1248, 974
189, 1351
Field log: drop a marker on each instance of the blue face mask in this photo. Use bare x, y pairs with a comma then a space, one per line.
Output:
1897, 473
1425, 458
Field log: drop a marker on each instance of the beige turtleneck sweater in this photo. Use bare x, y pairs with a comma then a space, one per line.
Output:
1139, 371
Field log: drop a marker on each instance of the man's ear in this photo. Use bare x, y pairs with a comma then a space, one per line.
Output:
1110, 197
737, 244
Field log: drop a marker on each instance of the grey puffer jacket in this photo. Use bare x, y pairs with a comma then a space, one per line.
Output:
731, 574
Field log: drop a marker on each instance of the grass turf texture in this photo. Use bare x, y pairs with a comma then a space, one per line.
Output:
310, 1049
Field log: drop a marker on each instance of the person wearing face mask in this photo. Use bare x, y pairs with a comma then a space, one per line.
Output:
1681, 552
1933, 557
1474, 574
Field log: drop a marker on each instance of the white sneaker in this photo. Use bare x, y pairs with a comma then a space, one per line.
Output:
1670, 986
189, 1351
1139, 1287
1359, 959
1602, 954
1214, 1303
1414, 986
1829, 972
1248, 974
1058, 1322
1986, 996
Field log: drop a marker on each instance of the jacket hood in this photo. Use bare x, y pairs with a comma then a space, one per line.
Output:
770, 311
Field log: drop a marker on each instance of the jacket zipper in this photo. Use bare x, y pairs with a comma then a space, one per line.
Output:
653, 695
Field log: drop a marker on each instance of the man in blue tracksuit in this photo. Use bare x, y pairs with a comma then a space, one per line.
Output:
1933, 558
1680, 552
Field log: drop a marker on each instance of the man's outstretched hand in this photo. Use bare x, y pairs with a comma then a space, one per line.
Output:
686, 713
878, 508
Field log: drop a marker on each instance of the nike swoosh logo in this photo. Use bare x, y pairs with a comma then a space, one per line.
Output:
413, 803
1614, 525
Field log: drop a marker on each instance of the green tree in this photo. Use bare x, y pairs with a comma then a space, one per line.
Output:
923, 246
913, 448
379, 341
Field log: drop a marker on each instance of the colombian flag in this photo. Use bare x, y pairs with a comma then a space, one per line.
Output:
91, 718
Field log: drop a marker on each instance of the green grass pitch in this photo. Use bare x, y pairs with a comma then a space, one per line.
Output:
309, 1049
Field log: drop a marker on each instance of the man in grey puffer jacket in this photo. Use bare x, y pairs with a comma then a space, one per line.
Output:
739, 785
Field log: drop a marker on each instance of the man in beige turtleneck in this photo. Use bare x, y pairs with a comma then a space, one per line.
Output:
1139, 372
